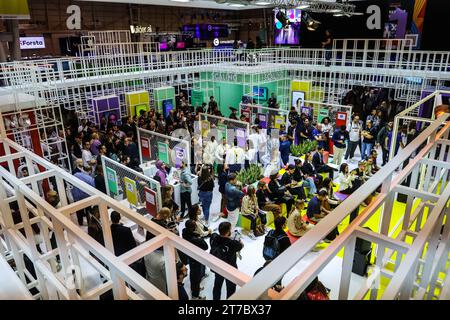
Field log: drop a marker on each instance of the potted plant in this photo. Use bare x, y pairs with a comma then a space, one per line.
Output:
298, 151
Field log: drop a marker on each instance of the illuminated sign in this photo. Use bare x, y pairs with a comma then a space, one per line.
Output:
32, 43
140, 29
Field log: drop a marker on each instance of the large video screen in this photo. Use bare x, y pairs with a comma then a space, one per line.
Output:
207, 31
290, 34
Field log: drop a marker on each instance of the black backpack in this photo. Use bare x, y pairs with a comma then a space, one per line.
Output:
272, 248
221, 252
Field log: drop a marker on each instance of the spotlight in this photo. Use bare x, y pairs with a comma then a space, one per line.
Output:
311, 24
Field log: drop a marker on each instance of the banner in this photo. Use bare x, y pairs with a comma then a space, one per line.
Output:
111, 177
163, 152
323, 113
221, 133
180, 154
206, 126
307, 111
131, 191
145, 149
279, 120
150, 201
341, 119
262, 120
241, 139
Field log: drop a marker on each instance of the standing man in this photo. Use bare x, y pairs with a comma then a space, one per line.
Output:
84, 175
86, 153
272, 102
221, 153
212, 105
226, 249
339, 141
383, 140
235, 158
369, 136
185, 188
285, 149
234, 197
354, 130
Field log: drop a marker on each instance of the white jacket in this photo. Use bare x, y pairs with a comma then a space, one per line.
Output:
209, 154
346, 181
235, 155
221, 150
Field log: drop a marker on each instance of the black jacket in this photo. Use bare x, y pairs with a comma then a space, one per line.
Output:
286, 179
308, 169
198, 241
276, 193
123, 239
100, 183
317, 161
233, 247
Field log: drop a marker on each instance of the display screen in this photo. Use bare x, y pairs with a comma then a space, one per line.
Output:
260, 93
207, 31
167, 106
289, 34
181, 45
163, 46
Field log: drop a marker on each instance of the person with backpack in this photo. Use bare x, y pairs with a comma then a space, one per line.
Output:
234, 196
276, 241
225, 249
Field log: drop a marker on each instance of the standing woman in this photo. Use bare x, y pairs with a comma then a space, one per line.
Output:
205, 190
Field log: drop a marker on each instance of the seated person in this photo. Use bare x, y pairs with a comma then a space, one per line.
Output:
278, 193
298, 174
322, 167
310, 175
250, 210
347, 180
292, 185
296, 226
328, 185
315, 211
264, 201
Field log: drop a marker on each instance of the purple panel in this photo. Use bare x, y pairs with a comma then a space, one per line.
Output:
102, 105
401, 17
241, 138
113, 102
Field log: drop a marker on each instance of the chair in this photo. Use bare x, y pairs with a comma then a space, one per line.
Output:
306, 219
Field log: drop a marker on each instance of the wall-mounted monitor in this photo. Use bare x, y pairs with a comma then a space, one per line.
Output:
167, 106
289, 34
260, 93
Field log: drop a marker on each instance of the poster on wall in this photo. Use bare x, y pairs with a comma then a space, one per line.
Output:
221, 133
145, 149
180, 154
131, 191
206, 126
307, 111
279, 121
150, 201
262, 120
298, 99
241, 139
341, 119
163, 152
111, 176
323, 113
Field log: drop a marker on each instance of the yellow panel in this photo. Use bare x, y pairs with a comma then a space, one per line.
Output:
14, 9
300, 85
143, 98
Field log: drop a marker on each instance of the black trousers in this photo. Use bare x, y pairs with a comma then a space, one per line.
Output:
350, 153
196, 273
326, 169
385, 155
185, 198
300, 192
81, 214
217, 290
253, 219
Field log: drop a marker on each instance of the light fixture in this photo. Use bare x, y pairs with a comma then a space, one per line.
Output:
263, 3
303, 6
335, 10
338, 14
236, 5
311, 24
180, 0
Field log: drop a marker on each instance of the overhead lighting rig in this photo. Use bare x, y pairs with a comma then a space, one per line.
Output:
318, 6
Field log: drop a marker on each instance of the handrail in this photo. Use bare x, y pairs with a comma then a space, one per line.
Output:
264, 280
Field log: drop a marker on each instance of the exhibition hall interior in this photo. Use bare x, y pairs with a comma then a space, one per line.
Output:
224, 150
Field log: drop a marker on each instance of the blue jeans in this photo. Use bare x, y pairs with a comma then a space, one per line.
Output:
205, 199
366, 150
309, 183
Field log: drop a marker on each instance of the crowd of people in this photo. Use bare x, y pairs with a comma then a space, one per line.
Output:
307, 184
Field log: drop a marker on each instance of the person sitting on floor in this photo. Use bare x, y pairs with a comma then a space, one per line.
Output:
310, 174
320, 165
264, 202
250, 210
296, 226
291, 184
328, 186
315, 211
278, 193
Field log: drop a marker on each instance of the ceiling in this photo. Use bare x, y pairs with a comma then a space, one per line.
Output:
208, 4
